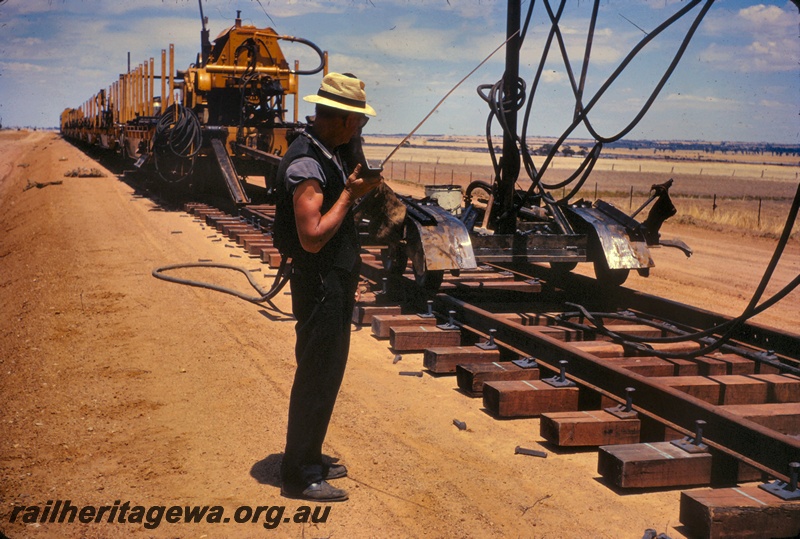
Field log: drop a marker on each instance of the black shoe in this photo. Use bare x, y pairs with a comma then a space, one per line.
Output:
336, 471
317, 492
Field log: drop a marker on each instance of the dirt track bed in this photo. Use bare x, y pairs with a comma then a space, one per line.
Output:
117, 386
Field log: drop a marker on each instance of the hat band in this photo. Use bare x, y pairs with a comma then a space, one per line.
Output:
343, 100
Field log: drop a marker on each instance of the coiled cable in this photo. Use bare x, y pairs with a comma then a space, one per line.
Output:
178, 134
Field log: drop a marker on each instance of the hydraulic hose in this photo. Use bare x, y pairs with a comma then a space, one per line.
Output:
179, 129
178, 133
495, 96
281, 278
313, 46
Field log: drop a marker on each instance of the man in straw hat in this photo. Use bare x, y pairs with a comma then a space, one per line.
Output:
314, 226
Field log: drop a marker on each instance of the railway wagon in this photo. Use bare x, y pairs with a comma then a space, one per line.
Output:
225, 114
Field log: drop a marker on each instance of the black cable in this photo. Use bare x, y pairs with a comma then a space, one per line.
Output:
498, 108
250, 46
477, 184
313, 46
281, 278
178, 132
629, 58
581, 116
179, 129
726, 330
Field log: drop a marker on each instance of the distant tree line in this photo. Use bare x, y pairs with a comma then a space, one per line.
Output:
581, 147
753, 148
672, 147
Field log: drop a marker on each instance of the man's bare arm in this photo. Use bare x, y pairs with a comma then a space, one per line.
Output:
315, 229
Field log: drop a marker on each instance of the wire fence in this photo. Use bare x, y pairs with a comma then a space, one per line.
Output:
739, 204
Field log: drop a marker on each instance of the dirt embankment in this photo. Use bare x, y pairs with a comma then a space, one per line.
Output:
121, 388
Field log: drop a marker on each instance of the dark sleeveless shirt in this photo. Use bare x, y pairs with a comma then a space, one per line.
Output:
342, 249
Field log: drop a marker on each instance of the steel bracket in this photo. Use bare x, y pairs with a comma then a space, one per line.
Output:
142, 160
782, 489
490, 344
688, 445
624, 411
556, 381
560, 380
429, 312
450, 325
693, 445
526, 363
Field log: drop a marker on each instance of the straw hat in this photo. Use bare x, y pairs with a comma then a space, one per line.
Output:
343, 92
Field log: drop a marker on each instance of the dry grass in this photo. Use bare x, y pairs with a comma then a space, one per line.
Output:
768, 221
739, 215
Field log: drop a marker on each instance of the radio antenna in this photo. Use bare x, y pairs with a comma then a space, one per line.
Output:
453, 89
205, 44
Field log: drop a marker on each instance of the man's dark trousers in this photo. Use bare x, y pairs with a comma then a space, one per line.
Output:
322, 303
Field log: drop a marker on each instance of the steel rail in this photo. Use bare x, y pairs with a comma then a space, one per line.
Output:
752, 333
763, 448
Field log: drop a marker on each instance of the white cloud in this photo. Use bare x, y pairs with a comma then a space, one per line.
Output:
759, 17
758, 56
66, 8
551, 76
25, 42
772, 104
760, 38
413, 43
21, 68
26, 48
13, 9
298, 8
701, 101
408, 39
468, 9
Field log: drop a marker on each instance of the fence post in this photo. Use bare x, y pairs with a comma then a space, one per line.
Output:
759, 212
630, 202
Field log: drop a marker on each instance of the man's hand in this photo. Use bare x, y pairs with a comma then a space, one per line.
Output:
315, 229
357, 186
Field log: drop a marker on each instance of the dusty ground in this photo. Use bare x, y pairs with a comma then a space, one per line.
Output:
118, 386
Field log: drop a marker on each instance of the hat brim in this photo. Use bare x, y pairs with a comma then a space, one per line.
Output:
341, 106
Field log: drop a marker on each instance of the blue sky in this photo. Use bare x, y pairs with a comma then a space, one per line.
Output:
738, 80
